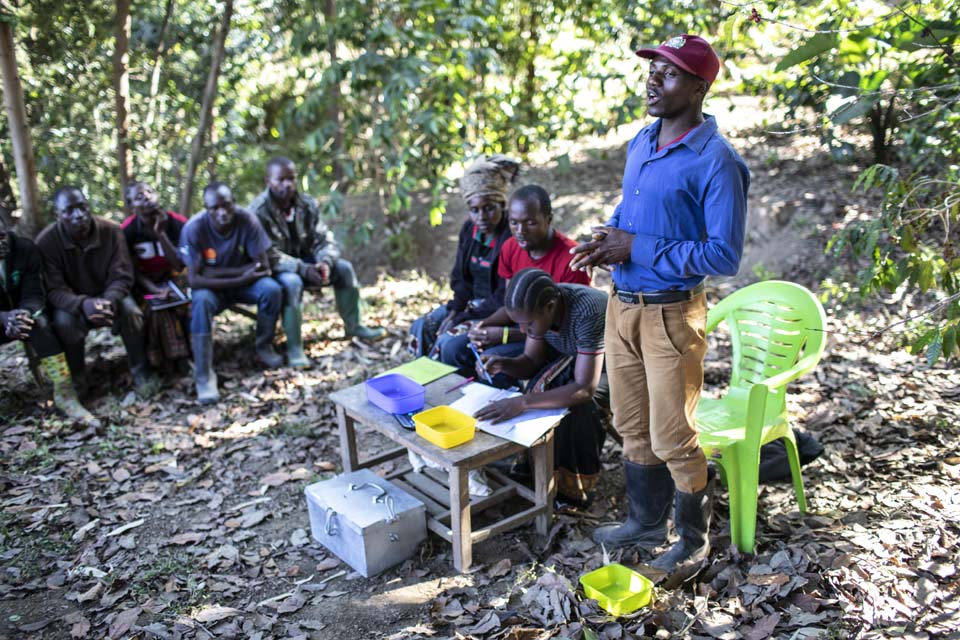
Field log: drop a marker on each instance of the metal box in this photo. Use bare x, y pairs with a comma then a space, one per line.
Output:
365, 520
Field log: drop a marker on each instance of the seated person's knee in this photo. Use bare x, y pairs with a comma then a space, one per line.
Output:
203, 299
343, 274
292, 285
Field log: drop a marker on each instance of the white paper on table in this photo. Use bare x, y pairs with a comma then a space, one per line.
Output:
525, 429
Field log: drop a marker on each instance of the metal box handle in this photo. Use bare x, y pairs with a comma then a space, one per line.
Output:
382, 496
381, 492
330, 527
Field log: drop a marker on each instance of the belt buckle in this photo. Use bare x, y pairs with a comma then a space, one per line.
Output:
627, 297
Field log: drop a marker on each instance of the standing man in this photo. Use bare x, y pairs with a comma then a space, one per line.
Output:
305, 254
88, 274
681, 219
22, 318
225, 250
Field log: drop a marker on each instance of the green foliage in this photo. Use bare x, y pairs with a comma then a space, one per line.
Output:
894, 70
416, 88
912, 242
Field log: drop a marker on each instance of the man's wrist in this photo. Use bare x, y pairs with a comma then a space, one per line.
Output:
506, 335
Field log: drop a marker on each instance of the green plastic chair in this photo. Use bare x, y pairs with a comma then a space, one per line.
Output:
776, 329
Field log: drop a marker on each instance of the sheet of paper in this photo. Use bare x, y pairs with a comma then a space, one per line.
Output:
423, 370
524, 429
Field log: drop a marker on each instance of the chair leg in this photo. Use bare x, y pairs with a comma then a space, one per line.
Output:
747, 512
742, 474
793, 457
728, 471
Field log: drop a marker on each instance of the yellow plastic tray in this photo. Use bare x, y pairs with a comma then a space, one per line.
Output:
444, 426
617, 589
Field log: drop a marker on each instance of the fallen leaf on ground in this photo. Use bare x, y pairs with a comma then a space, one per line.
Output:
214, 613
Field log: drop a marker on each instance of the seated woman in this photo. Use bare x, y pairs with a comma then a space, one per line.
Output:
562, 360
534, 243
477, 289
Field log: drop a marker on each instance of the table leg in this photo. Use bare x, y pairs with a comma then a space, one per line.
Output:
460, 519
348, 441
543, 482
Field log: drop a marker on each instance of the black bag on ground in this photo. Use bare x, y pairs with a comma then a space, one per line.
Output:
774, 466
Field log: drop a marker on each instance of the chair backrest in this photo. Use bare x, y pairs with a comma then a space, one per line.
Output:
772, 325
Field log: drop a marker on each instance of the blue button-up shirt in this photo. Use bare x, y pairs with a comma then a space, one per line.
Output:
686, 206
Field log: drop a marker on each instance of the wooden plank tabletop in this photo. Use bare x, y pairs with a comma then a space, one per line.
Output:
477, 451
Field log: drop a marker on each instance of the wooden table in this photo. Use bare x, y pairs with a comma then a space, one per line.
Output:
446, 494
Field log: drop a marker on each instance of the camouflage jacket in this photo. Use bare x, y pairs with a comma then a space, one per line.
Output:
311, 241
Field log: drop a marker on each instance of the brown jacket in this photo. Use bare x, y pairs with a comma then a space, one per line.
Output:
102, 268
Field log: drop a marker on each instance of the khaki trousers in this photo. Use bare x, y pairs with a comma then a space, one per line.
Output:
655, 368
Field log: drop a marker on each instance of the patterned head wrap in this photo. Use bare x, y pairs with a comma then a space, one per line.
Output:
489, 176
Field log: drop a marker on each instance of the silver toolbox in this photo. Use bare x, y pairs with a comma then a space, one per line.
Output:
365, 520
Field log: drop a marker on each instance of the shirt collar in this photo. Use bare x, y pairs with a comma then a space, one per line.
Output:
488, 241
92, 243
696, 140
272, 205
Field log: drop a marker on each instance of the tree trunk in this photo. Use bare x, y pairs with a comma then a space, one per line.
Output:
8, 203
530, 81
19, 134
334, 112
121, 94
212, 158
157, 61
206, 109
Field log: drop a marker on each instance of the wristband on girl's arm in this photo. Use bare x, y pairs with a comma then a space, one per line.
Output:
506, 335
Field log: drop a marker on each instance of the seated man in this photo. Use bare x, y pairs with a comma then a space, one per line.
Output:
225, 250
305, 253
534, 243
88, 274
21, 318
153, 237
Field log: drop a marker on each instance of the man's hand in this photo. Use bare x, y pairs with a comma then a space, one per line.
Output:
609, 246
502, 409
158, 223
484, 336
255, 272
17, 324
99, 311
314, 278
324, 270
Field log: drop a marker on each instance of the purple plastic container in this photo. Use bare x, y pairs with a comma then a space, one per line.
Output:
395, 393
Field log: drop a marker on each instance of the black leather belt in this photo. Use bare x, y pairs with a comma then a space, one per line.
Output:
659, 297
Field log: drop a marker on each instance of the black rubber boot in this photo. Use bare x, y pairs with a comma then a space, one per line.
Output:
649, 494
264, 343
692, 515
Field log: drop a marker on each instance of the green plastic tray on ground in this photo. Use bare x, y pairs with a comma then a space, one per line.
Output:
617, 589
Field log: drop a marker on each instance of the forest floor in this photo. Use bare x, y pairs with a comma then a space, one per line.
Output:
179, 521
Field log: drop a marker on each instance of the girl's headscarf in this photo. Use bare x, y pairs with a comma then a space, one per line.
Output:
489, 176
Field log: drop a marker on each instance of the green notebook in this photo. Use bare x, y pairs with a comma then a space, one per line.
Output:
423, 370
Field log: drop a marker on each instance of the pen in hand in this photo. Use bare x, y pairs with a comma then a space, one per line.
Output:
483, 368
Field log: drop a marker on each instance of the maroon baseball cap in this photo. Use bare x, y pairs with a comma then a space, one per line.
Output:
691, 53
